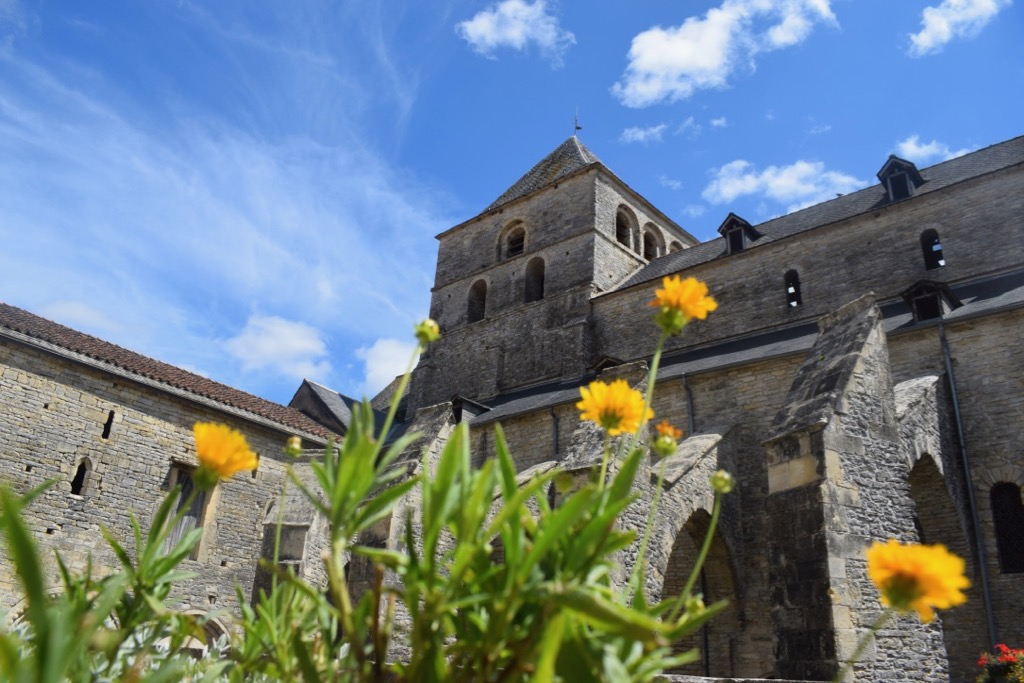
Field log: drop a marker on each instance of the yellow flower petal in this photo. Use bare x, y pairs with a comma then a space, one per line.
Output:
689, 297
616, 407
221, 450
916, 577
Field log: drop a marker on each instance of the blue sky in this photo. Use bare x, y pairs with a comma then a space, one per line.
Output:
250, 190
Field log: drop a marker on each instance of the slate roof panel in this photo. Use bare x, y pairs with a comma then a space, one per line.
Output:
566, 159
988, 160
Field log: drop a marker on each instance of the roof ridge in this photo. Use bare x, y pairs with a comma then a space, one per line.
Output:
565, 159
42, 329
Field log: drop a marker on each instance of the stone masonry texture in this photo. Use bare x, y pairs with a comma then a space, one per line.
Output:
887, 404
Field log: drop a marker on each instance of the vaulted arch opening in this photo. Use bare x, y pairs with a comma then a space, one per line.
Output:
931, 248
936, 520
1008, 518
717, 640
792, 284
477, 305
624, 228
650, 246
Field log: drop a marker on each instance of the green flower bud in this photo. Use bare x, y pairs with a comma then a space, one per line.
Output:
722, 481
293, 447
427, 331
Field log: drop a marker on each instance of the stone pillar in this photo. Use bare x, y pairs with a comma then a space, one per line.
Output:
837, 480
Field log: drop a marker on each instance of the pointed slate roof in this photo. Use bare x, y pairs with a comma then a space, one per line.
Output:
566, 159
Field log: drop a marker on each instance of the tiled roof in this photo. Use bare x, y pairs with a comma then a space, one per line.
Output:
988, 160
568, 157
131, 363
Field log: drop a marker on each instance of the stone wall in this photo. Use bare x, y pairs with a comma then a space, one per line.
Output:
876, 252
55, 416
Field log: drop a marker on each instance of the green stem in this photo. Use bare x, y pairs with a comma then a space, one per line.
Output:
396, 397
651, 376
277, 530
881, 621
638, 568
604, 461
681, 602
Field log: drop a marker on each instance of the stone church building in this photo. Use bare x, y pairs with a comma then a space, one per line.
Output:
862, 378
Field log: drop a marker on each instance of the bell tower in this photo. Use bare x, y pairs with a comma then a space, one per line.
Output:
513, 285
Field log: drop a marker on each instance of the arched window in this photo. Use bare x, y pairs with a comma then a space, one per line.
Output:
534, 290
650, 246
932, 249
477, 301
623, 229
78, 484
793, 297
1008, 518
674, 247
515, 242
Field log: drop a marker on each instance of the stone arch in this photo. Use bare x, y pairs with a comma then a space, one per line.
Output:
715, 641
653, 242
533, 289
626, 227
675, 246
476, 305
1008, 522
937, 520
512, 240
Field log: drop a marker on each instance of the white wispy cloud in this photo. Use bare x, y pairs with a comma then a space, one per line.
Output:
689, 127
952, 19
516, 24
922, 152
383, 360
720, 122
670, 64
160, 232
694, 210
670, 183
798, 185
288, 347
644, 135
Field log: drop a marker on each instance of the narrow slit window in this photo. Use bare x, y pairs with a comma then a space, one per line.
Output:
534, 289
108, 424
1008, 518
477, 308
78, 483
931, 247
793, 296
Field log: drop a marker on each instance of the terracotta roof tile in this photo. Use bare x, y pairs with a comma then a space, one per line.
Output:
38, 328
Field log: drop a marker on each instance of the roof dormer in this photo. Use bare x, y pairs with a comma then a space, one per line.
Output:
929, 300
738, 233
900, 178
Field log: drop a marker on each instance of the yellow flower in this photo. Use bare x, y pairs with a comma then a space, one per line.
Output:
917, 577
222, 451
666, 429
667, 441
680, 301
616, 407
